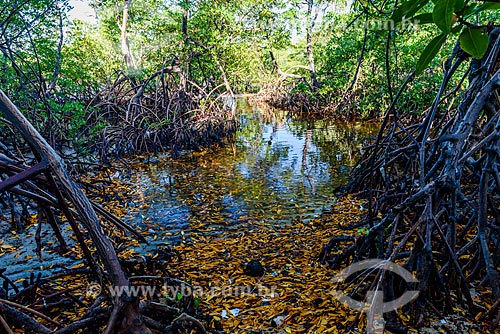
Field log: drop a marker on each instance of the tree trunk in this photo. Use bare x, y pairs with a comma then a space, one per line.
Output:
88, 216
125, 45
184, 27
309, 47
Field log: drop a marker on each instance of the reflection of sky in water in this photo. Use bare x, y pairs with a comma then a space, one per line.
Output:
287, 170
278, 171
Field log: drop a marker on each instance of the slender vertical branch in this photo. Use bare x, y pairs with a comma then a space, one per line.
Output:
124, 40
309, 47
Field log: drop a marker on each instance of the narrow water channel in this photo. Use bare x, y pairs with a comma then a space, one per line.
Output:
279, 170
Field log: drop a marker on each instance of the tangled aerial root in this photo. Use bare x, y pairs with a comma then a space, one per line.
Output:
158, 115
433, 187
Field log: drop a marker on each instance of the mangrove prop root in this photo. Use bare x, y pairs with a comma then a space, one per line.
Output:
62, 196
159, 115
433, 191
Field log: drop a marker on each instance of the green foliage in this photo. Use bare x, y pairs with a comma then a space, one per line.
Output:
337, 58
430, 52
407, 9
446, 14
392, 48
443, 14
241, 40
88, 59
474, 42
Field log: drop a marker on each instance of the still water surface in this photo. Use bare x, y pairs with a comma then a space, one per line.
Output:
279, 170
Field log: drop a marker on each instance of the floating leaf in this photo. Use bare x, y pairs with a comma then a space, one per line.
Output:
474, 42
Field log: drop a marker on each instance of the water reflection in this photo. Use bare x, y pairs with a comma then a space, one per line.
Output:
278, 171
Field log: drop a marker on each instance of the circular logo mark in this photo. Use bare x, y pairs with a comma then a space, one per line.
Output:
374, 305
93, 290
